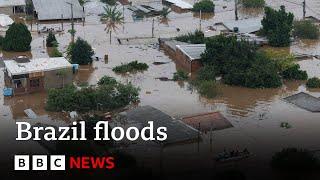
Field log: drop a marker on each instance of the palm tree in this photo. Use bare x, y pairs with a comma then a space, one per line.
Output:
113, 18
164, 15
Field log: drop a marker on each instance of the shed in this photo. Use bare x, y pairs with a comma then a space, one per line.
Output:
243, 26
57, 9
177, 131
179, 4
189, 56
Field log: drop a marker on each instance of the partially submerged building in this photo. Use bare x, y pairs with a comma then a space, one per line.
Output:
25, 75
178, 5
48, 10
12, 6
189, 56
249, 26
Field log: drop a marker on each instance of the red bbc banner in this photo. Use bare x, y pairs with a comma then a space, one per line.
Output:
60, 162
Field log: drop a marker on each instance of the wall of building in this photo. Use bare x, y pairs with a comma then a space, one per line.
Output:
53, 80
186, 63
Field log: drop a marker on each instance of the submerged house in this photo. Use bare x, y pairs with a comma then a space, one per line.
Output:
48, 10
25, 75
12, 6
249, 26
189, 56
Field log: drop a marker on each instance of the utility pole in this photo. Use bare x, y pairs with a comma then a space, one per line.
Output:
153, 28
236, 9
200, 20
304, 9
72, 23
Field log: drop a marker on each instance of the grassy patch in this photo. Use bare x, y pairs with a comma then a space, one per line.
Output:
133, 66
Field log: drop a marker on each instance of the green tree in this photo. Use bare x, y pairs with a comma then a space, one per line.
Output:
165, 12
80, 52
204, 6
109, 2
305, 29
239, 63
194, 38
313, 83
18, 38
253, 3
55, 52
51, 40
294, 73
277, 26
113, 18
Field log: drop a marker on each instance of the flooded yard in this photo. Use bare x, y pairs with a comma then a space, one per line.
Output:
256, 114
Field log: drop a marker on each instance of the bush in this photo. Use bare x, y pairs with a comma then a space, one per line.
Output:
51, 40
283, 60
294, 160
18, 38
313, 83
206, 88
194, 38
80, 52
204, 6
130, 67
207, 73
253, 3
108, 96
294, 73
55, 52
277, 26
239, 63
106, 80
180, 76
109, 2
305, 30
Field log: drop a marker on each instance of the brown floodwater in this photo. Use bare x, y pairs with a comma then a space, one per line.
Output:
256, 114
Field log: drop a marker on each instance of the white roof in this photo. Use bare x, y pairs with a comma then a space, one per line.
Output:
53, 9
5, 20
181, 4
245, 25
193, 51
10, 3
36, 65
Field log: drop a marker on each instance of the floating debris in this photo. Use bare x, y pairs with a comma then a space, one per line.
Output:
159, 63
30, 113
164, 79
285, 125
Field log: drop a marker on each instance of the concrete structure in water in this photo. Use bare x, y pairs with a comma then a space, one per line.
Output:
12, 6
186, 55
26, 76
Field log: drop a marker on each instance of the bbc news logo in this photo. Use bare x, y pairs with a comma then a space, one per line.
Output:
59, 162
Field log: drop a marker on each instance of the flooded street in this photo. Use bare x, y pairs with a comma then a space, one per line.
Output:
256, 114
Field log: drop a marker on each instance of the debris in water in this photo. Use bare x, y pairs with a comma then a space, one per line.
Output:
164, 79
30, 113
148, 92
285, 125
159, 63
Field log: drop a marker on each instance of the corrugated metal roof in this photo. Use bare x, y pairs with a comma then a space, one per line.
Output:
177, 131
193, 51
10, 3
245, 25
36, 65
181, 4
53, 9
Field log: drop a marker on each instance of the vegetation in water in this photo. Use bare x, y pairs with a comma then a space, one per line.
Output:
313, 82
305, 29
18, 38
204, 6
253, 3
294, 73
133, 66
239, 63
80, 52
109, 2
277, 26
194, 38
55, 52
106, 96
51, 40
180, 75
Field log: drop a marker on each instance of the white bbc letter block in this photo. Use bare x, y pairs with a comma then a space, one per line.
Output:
39, 162
57, 162
21, 162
